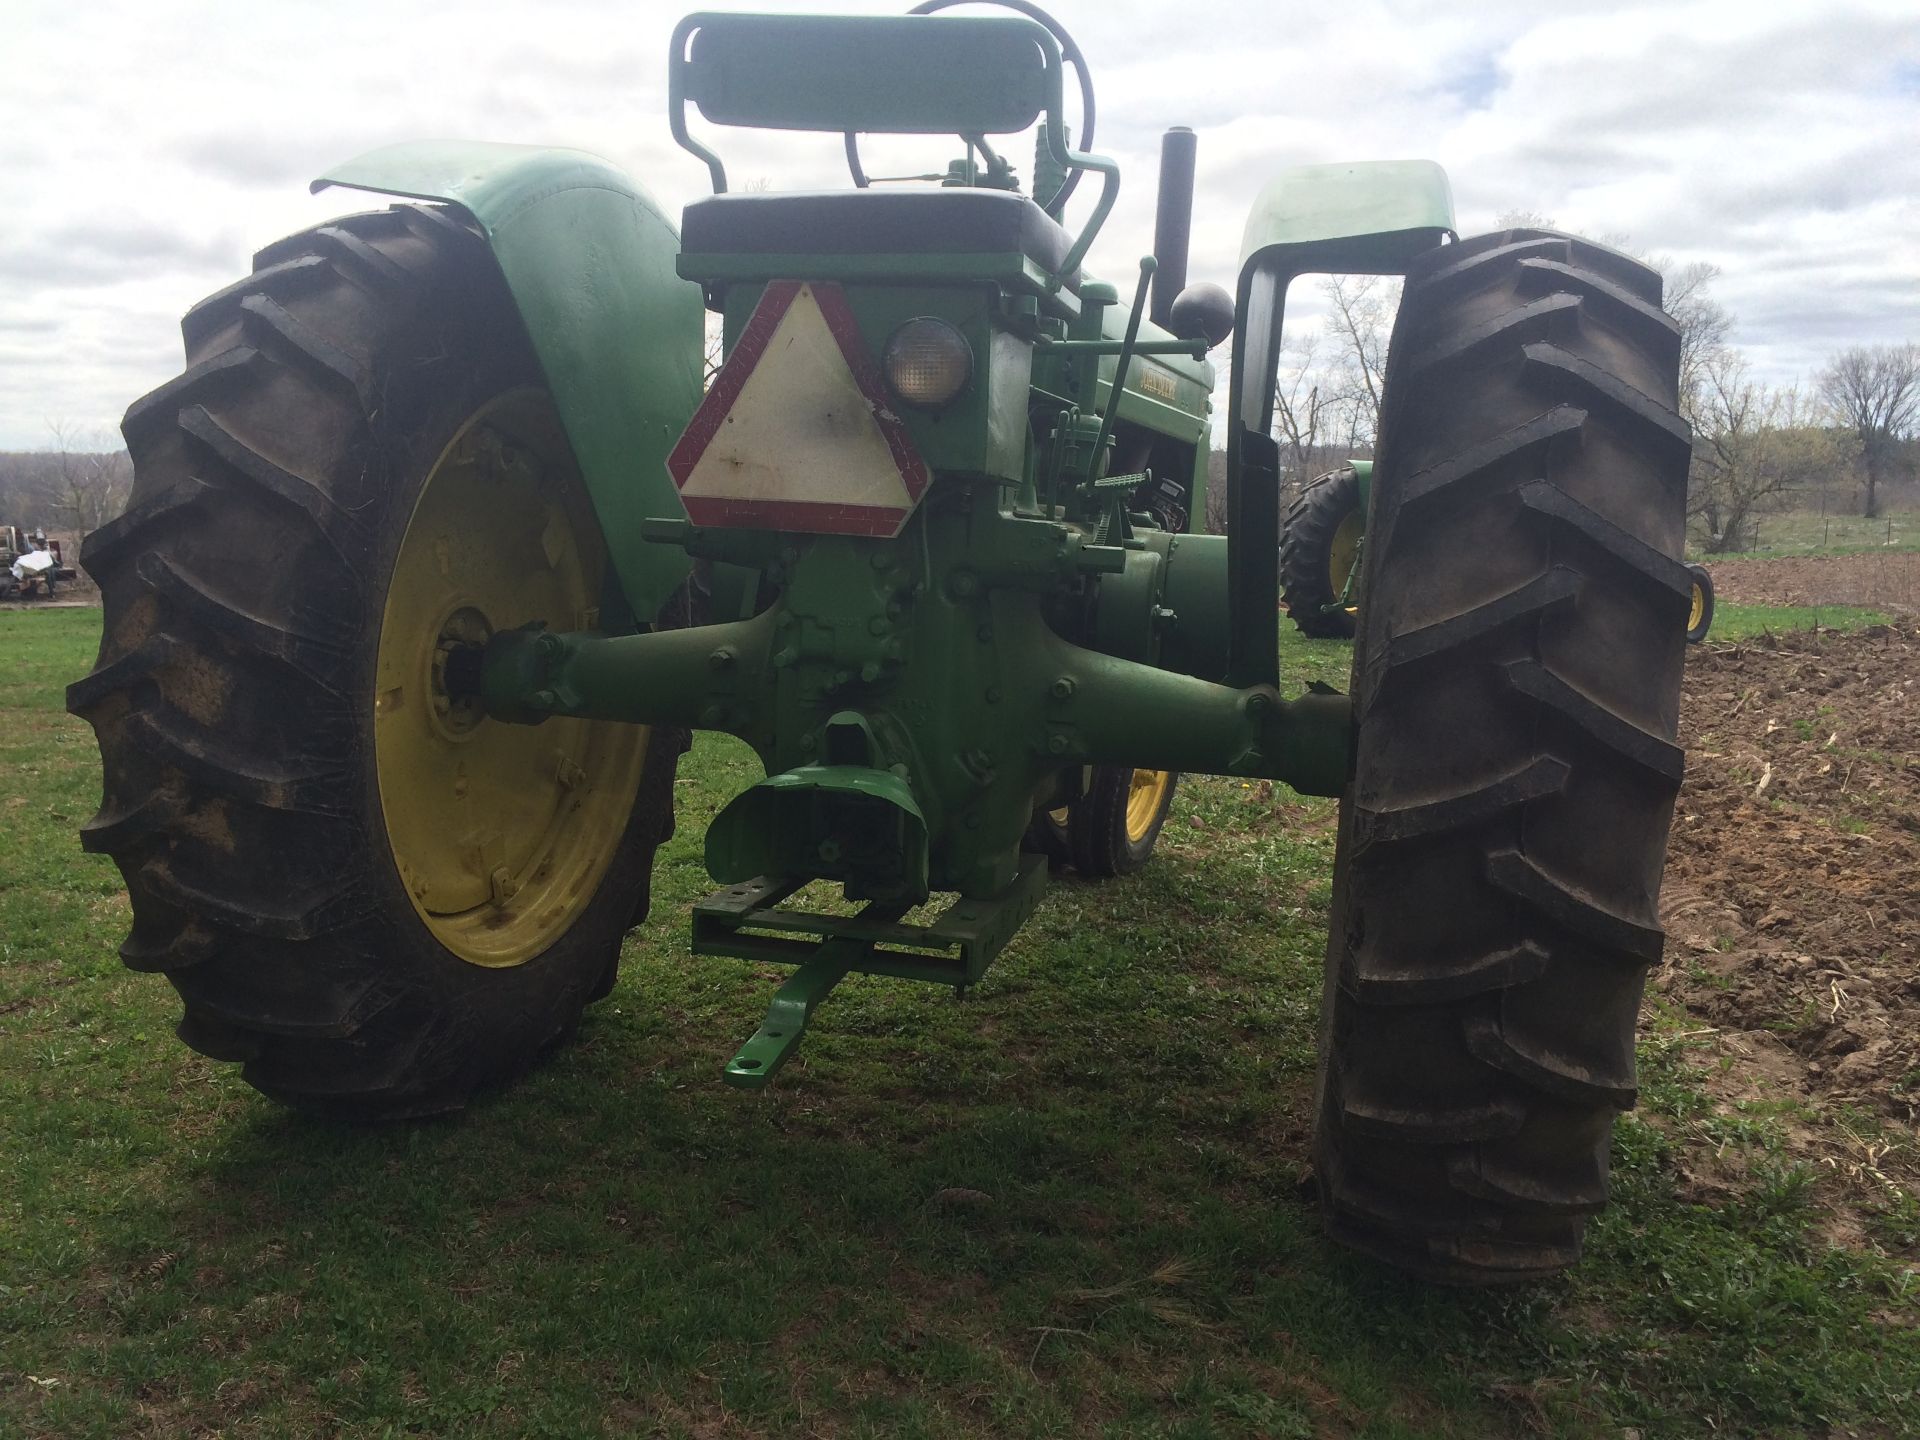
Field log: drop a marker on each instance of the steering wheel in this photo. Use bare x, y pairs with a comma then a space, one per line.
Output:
1069, 51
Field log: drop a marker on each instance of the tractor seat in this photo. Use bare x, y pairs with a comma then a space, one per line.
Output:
876, 222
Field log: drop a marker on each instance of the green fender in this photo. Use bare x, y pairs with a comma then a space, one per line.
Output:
589, 259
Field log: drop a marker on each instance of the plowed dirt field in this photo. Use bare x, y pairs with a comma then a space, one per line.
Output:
1792, 894
1888, 582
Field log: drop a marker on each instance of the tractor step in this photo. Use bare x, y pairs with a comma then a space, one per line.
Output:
746, 922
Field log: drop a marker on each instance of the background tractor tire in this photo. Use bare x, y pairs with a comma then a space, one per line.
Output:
1113, 827
1318, 549
255, 600
1700, 606
1047, 835
1516, 686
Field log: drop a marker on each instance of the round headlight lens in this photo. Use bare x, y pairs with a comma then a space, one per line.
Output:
928, 362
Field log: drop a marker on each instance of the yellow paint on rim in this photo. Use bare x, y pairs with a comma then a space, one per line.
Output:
1699, 609
1147, 792
501, 833
1342, 552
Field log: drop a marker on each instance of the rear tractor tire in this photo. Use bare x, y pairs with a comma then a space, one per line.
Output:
1516, 684
373, 897
1319, 549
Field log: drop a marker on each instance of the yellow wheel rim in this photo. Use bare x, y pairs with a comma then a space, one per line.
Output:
1147, 792
501, 833
1342, 553
1699, 609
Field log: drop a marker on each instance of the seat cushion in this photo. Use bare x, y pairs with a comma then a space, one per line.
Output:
875, 222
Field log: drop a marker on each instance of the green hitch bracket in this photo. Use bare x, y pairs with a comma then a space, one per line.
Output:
1345, 597
955, 950
770, 1047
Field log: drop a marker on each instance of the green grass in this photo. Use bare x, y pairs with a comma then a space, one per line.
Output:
1808, 532
1069, 1206
1743, 622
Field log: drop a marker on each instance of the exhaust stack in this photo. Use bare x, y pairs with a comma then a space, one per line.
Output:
1172, 220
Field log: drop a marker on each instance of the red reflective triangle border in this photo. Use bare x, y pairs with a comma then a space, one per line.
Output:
806, 516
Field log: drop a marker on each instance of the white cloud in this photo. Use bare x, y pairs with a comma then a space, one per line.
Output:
146, 150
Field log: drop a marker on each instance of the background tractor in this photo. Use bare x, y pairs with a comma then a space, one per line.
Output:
386, 787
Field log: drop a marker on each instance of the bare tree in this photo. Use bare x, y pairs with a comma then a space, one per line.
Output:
712, 358
1704, 323
1361, 324
1299, 401
1876, 390
1216, 517
90, 486
1753, 447
1524, 220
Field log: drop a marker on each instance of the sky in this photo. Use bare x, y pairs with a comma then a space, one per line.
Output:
147, 148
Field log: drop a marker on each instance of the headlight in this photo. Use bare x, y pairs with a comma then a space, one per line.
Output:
928, 362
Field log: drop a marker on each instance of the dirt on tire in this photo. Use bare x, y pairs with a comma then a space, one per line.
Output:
1792, 892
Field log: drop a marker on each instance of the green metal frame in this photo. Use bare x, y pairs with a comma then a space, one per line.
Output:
1366, 218
954, 950
589, 259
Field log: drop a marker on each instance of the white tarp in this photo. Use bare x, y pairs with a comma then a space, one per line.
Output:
34, 565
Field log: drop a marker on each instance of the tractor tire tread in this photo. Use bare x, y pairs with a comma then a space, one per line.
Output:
267, 321
249, 464
154, 414
1475, 264
1445, 640
1437, 983
1466, 809
1517, 678
1599, 389
1489, 461
1604, 727
283, 281
239, 611
1655, 329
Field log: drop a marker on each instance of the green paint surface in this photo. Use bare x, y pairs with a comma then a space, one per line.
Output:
589, 258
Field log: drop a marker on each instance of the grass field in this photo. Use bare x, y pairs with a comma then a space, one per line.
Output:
1743, 622
1810, 532
1073, 1205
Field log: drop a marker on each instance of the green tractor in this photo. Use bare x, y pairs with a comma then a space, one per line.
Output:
438, 553
1321, 542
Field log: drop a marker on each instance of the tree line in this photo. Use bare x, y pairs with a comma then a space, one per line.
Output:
1758, 448
65, 487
